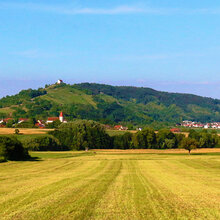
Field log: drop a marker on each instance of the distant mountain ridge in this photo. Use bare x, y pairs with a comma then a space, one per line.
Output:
110, 104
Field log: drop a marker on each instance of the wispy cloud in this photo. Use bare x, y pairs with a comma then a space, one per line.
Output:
124, 9
27, 53
70, 10
36, 53
159, 56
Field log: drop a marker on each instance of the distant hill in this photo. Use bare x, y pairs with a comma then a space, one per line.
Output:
110, 104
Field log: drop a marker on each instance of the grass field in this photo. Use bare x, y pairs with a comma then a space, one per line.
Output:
112, 185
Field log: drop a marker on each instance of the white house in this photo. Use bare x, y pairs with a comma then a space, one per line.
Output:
20, 120
206, 126
52, 119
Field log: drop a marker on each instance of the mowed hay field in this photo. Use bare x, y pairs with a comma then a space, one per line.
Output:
26, 131
112, 185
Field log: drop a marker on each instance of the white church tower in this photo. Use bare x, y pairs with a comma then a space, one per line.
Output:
61, 117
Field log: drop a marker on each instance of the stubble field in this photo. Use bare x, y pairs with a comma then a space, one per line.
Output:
112, 185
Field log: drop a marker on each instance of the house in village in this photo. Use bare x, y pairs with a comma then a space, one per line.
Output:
138, 129
21, 120
120, 128
52, 119
40, 124
60, 118
206, 126
4, 121
7, 119
175, 130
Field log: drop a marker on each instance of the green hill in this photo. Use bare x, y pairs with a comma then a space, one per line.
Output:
110, 104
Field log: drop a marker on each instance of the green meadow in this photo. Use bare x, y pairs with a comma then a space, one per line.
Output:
111, 185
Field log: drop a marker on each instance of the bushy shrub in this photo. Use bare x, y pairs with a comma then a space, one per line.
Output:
44, 143
12, 149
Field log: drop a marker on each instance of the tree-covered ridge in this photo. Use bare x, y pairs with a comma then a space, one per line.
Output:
22, 96
110, 105
146, 95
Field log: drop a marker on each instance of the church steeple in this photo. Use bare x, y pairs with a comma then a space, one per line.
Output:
61, 117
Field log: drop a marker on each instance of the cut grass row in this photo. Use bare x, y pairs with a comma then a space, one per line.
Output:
79, 185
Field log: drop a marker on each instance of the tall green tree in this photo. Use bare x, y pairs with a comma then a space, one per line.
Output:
83, 134
189, 144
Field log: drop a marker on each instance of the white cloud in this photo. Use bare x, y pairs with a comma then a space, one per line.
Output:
69, 10
124, 9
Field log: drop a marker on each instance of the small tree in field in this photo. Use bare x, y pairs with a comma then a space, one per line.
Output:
189, 144
17, 131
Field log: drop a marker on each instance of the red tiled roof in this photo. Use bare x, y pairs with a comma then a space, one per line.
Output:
7, 119
39, 125
118, 126
53, 118
175, 130
23, 119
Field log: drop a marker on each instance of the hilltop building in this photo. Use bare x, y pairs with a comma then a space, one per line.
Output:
59, 81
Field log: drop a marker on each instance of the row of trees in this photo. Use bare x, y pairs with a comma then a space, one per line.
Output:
83, 134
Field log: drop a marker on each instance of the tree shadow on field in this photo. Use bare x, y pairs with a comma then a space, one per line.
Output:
33, 159
207, 154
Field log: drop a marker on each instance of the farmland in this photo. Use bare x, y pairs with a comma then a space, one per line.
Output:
112, 184
25, 131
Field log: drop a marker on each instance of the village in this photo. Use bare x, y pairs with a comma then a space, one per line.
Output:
45, 123
50, 120
39, 123
193, 124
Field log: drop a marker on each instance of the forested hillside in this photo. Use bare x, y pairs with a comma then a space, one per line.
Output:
110, 104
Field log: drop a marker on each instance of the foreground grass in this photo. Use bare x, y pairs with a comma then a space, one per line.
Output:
78, 185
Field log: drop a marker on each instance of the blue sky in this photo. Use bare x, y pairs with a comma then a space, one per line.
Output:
164, 44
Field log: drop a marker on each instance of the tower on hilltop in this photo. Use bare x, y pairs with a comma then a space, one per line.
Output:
59, 81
